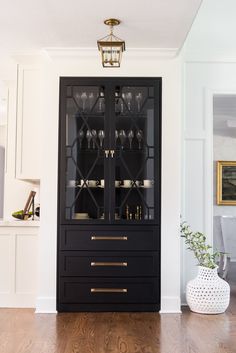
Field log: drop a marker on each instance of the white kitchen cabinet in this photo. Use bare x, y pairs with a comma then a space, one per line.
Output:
28, 122
18, 263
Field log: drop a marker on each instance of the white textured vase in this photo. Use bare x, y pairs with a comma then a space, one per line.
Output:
208, 293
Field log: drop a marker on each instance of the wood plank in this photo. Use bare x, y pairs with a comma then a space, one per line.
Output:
21, 331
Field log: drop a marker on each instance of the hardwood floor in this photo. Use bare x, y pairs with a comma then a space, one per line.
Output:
21, 331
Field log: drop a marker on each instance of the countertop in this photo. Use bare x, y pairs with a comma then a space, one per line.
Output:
18, 223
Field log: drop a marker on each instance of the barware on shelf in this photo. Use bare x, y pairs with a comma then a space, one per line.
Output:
129, 99
127, 183
94, 137
148, 183
139, 136
101, 136
83, 183
80, 137
122, 137
117, 183
92, 183
139, 98
102, 183
89, 137
79, 215
130, 137
84, 98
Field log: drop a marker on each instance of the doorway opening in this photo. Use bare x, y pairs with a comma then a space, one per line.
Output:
224, 184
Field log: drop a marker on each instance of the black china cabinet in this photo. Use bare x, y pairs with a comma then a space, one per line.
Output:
109, 194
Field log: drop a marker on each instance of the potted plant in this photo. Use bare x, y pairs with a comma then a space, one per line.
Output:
207, 293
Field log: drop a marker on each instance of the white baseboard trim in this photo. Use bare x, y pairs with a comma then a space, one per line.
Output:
46, 305
170, 305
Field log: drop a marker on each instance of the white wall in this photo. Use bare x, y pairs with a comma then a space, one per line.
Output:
79, 64
15, 191
209, 67
202, 80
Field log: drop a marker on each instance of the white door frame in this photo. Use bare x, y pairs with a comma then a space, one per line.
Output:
209, 116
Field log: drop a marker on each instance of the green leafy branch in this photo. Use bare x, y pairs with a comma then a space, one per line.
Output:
196, 242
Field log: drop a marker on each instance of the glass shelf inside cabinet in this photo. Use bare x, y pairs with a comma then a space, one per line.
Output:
85, 135
134, 144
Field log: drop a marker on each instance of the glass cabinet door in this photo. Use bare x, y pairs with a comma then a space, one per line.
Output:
134, 153
85, 139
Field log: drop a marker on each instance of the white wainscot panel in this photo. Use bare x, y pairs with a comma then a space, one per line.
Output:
26, 266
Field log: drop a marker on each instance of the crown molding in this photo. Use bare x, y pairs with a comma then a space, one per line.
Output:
132, 53
215, 56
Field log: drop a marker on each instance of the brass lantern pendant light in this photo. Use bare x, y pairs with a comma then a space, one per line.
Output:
111, 47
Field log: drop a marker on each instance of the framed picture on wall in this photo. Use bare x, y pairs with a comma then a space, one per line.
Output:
226, 183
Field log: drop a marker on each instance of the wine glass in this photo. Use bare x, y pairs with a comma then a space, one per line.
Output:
80, 137
122, 137
101, 136
91, 99
84, 98
139, 98
77, 97
116, 101
129, 99
89, 137
116, 136
122, 103
139, 135
94, 137
130, 137
101, 102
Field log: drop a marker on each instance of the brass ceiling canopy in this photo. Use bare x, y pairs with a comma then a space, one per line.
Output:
111, 46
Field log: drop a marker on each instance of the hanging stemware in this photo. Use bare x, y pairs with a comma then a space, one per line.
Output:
89, 137
101, 102
101, 136
84, 98
139, 98
139, 136
94, 137
91, 100
122, 137
122, 103
130, 137
80, 137
129, 99
116, 136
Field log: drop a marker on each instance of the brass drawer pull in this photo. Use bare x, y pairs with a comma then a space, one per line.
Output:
120, 264
94, 237
108, 290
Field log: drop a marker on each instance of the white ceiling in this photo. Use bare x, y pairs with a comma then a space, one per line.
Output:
212, 35
36, 24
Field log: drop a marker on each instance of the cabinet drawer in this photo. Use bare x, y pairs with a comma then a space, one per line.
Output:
108, 290
135, 264
109, 238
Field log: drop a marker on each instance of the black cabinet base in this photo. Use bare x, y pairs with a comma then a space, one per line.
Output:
108, 308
